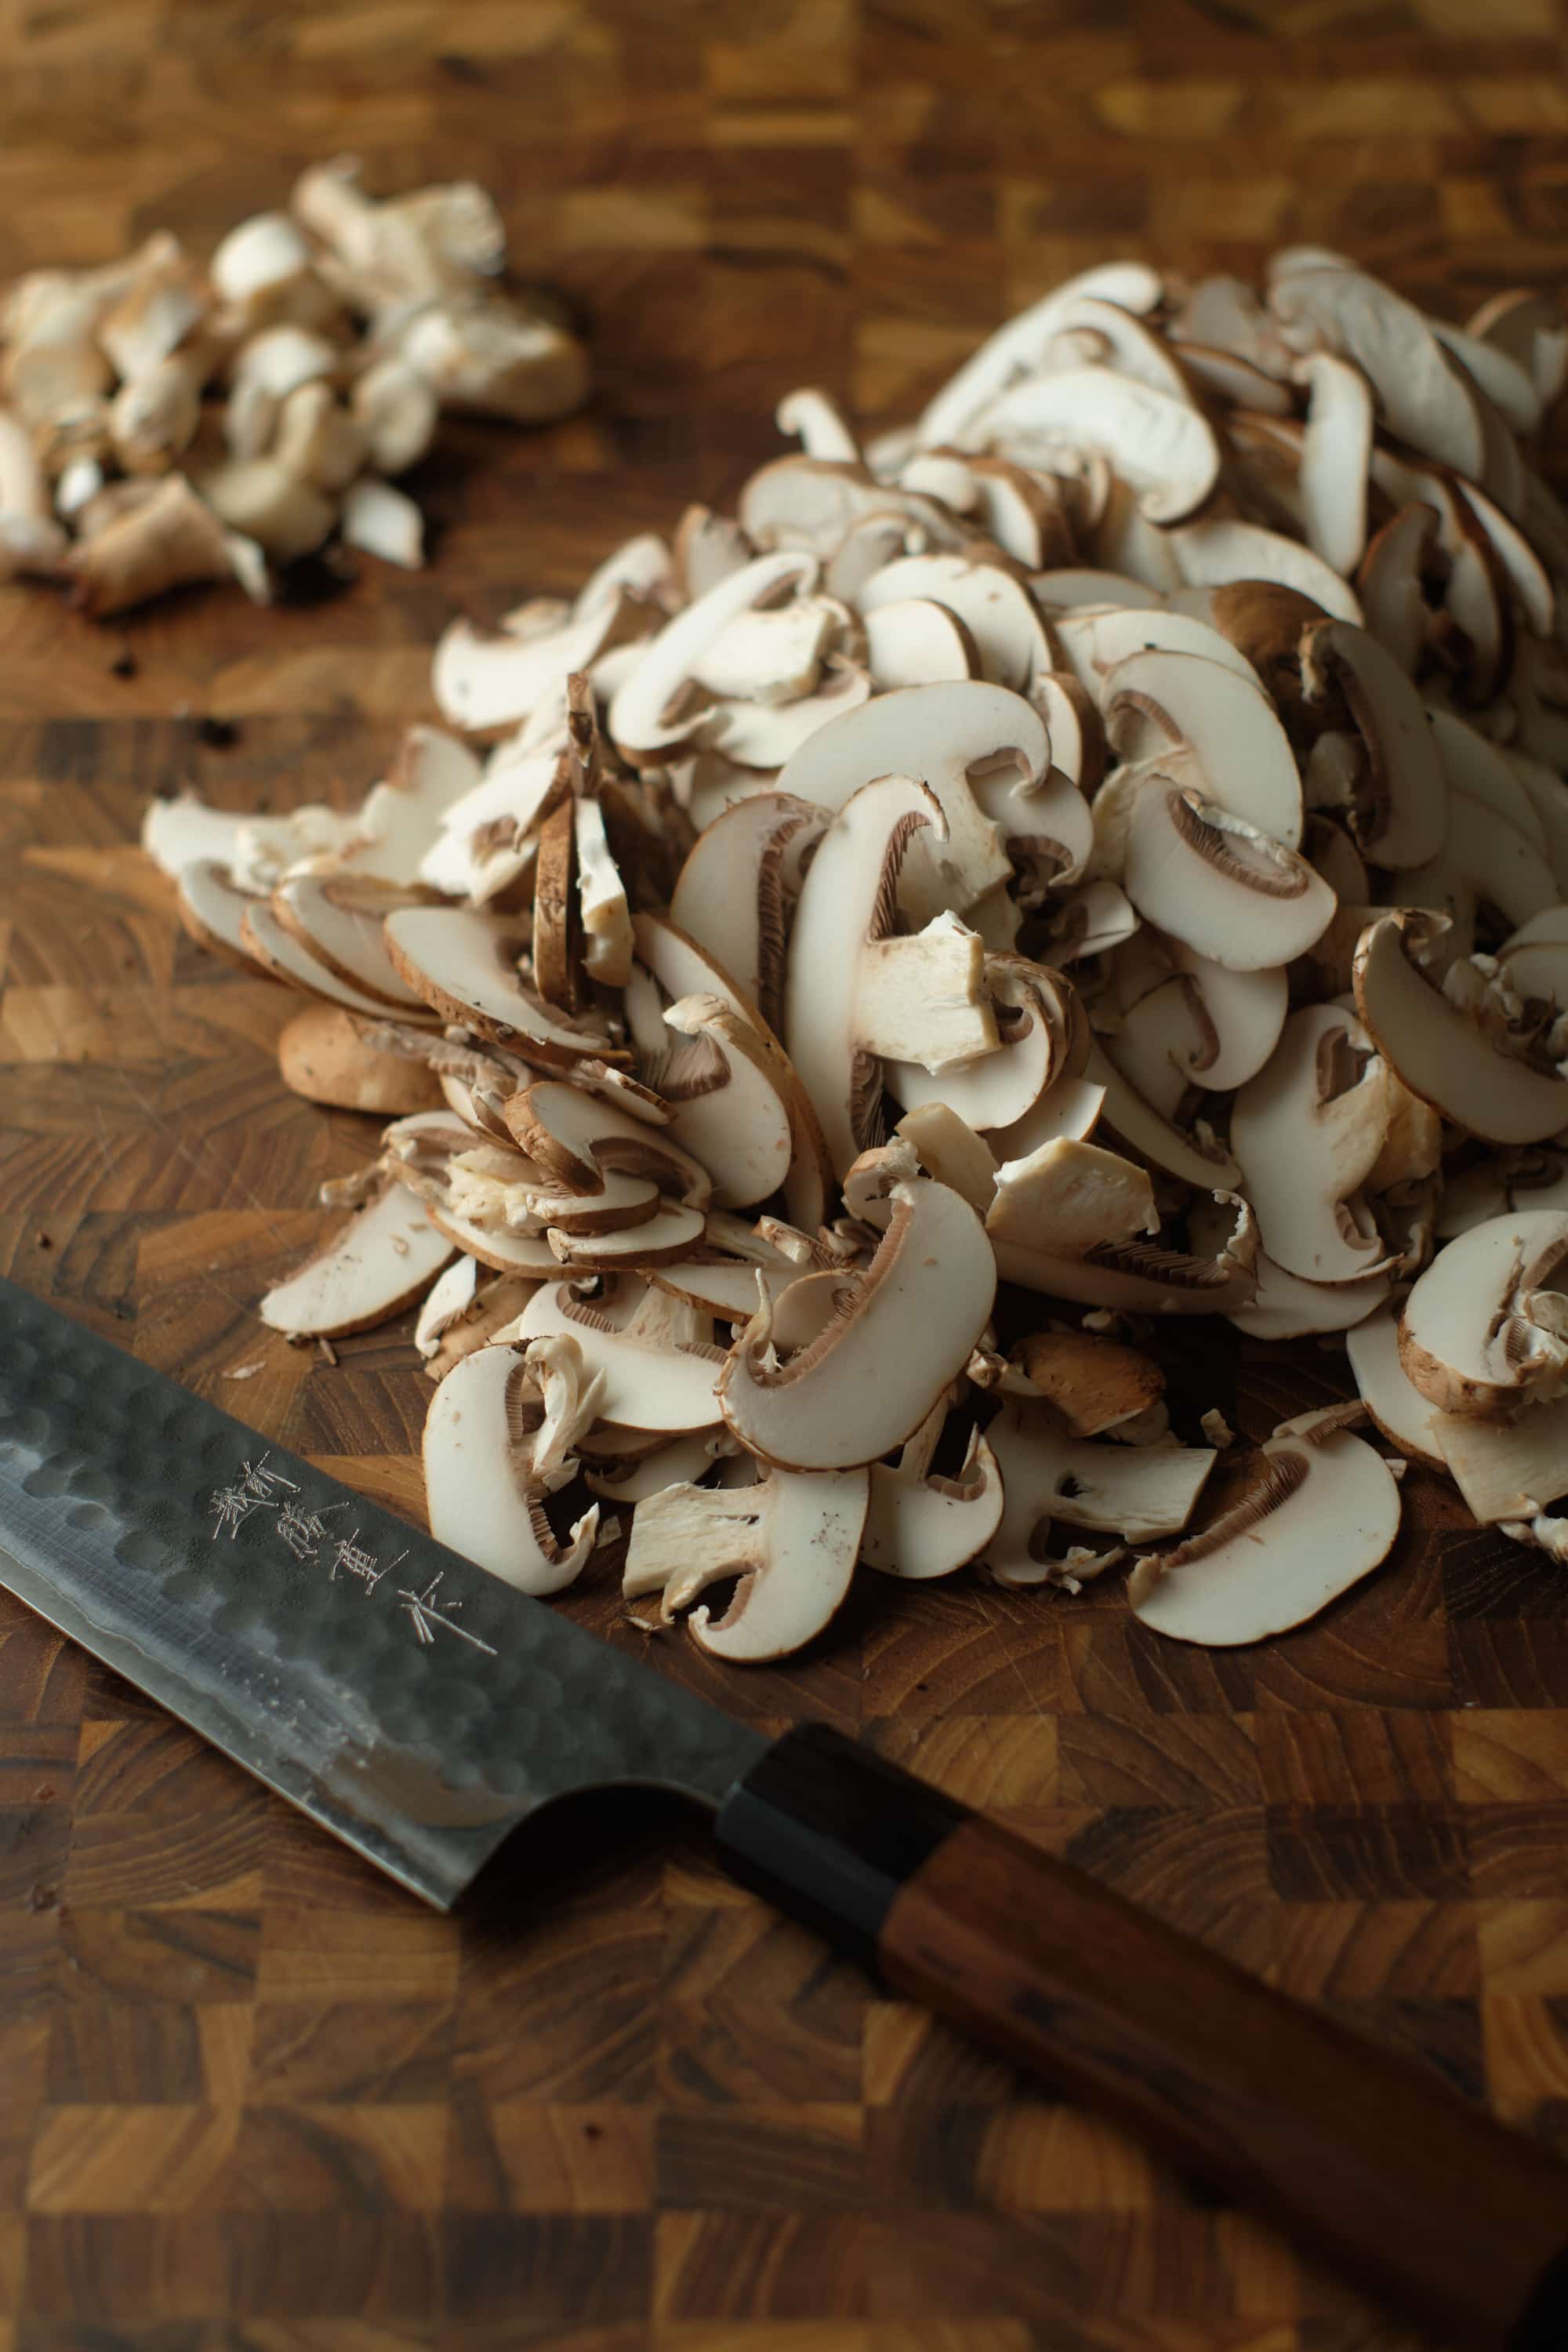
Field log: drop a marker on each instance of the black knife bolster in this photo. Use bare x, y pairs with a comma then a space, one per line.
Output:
829, 1833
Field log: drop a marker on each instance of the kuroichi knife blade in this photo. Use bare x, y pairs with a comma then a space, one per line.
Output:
421, 1710
417, 1707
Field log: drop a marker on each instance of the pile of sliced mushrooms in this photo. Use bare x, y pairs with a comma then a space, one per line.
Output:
1107, 840
167, 422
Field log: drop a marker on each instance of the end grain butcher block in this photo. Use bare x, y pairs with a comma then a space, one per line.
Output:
250, 2088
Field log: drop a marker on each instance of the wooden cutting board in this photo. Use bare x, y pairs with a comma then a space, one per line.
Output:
245, 2087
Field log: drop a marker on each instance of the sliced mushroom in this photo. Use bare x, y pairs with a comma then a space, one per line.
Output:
463, 965
1307, 1131
902, 1334
1135, 1491
1093, 1383
1324, 1515
918, 1526
1069, 1197
1394, 1402
735, 890
1232, 893
914, 641
1157, 700
654, 713
655, 1352
1507, 1471
1215, 554
1044, 1040
1140, 1277
337, 918
1484, 1331
1162, 447
1422, 398
852, 992
1460, 1062
1403, 818
167, 540
792, 1539
1019, 346
366, 1271
996, 610
482, 1490
325, 1055
1334, 457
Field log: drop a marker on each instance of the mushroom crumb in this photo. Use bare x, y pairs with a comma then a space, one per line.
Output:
167, 421
1095, 856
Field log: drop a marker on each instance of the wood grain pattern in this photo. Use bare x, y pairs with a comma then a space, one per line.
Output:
247, 2091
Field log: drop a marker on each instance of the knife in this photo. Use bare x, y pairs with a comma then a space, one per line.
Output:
423, 1711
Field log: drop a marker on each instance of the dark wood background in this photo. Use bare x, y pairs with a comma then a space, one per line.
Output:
250, 2096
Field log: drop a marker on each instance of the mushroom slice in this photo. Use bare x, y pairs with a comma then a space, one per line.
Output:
902, 1333
770, 655
463, 964
1157, 700
1067, 1197
1194, 1160
918, 1526
765, 736
1136, 1491
937, 734
166, 539
792, 1541
1485, 1329
995, 609
526, 1255
483, 1489
1307, 1131
655, 1352
1403, 820
851, 993
734, 892
1093, 1383
490, 681
365, 1273
325, 1055
1243, 1011
809, 505
914, 640
1048, 826
1459, 1060
814, 418
638, 1478
772, 1139
400, 817
607, 1167
448, 1300
282, 957
1530, 328
1324, 1515
337, 918
1044, 1039
727, 1288
946, 1149
1092, 643
382, 520
1229, 891
1507, 1470
1066, 590
1164, 448
1020, 346
1334, 459
1403, 561
656, 712
213, 910
607, 927
1218, 554
1422, 398
1394, 1403
1139, 1278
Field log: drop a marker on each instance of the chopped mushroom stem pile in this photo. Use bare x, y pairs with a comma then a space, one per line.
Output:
1097, 855
163, 422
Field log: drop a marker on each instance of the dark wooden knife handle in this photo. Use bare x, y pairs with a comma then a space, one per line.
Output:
1452, 2220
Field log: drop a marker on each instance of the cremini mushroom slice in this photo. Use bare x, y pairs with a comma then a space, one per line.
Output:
580, 1141
655, 1352
736, 887
1091, 1383
170, 539
463, 965
1506, 1471
213, 911
1161, 448
1232, 893
1395, 1404
1335, 453
284, 957
1306, 1132
1019, 347
1484, 1331
792, 1541
996, 610
1071, 1196
902, 1334
324, 1054
853, 993
1193, 1159
656, 711
1460, 1060
1093, 641
814, 418
483, 1492
938, 735
1044, 1039
1285, 1305
1140, 1277
811, 505
946, 1149
1216, 553
919, 1526
1157, 700
916, 641
1402, 818
1423, 399
1136, 1491
1324, 1514
365, 1273
337, 918
635, 1478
